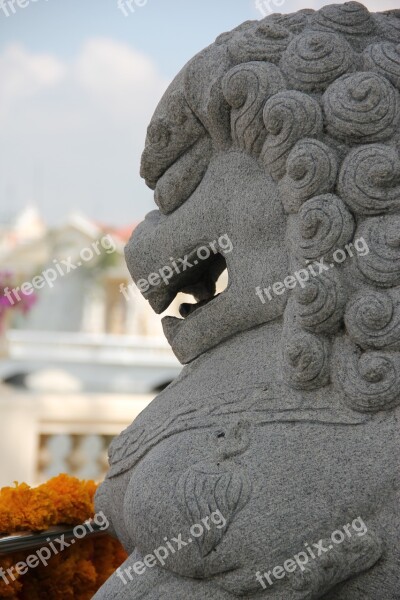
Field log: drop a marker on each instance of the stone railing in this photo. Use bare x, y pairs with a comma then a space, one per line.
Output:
42, 435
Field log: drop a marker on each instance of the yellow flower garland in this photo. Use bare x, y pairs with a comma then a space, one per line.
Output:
77, 572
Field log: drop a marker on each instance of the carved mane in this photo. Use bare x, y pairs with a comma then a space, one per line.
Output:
314, 97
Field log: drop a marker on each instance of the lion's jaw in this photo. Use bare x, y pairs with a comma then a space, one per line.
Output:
235, 207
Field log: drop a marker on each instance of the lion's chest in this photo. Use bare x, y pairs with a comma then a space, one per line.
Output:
272, 487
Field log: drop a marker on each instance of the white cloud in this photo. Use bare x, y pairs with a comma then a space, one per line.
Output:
118, 77
23, 74
82, 124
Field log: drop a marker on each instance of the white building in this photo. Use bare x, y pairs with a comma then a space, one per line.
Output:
85, 361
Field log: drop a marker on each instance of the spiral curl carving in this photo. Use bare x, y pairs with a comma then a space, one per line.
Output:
321, 303
381, 266
295, 22
384, 58
373, 320
306, 361
311, 170
369, 180
352, 19
389, 25
370, 380
246, 89
362, 107
325, 225
313, 60
265, 42
288, 117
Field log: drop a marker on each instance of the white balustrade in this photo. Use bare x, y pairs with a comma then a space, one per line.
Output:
42, 435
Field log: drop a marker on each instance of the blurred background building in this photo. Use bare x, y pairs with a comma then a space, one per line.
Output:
85, 360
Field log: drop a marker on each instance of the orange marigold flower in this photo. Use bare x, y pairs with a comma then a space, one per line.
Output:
25, 508
78, 571
73, 499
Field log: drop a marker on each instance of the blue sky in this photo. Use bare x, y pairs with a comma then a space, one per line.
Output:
78, 84
170, 32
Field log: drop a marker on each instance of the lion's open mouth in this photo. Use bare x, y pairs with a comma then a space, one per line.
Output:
188, 308
198, 278
203, 284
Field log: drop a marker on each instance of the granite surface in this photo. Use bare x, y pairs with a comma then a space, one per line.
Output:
270, 467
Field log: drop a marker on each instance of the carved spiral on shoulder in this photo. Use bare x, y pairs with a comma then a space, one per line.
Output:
381, 265
373, 319
352, 19
288, 117
246, 89
320, 304
370, 380
325, 225
311, 170
384, 58
369, 180
361, 107
313, 60
306, 361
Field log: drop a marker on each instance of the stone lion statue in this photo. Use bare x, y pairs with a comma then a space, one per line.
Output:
270, 467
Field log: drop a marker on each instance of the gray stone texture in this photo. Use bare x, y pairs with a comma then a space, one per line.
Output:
283, 136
